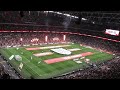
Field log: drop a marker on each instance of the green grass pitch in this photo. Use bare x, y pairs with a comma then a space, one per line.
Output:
43, 70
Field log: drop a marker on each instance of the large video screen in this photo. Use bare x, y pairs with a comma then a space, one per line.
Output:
112, 32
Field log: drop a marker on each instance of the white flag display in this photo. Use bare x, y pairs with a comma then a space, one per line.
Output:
11, 57
20, 66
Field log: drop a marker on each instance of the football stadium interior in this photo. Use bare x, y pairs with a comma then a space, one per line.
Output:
59, 45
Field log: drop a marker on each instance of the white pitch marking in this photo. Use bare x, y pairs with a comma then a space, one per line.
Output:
39, 62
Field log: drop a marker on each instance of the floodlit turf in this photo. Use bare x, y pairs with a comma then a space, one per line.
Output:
70, 57
38, 69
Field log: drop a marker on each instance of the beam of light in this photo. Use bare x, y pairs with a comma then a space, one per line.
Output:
64, 37
46, 38
21, 39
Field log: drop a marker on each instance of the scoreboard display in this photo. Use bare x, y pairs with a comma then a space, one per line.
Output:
112, 32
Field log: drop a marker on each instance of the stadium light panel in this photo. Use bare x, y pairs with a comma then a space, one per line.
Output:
65, 14
46, 11
93, 22
59, 13
76, 17
68, 15
72, 16
50, 11
84, 19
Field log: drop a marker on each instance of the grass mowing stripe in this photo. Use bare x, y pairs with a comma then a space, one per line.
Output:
29, 68
40, 70
28, 53
97, 57
25, 66
62, 65
15, 64
50, 70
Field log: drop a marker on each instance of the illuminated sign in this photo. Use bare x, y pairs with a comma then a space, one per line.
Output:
112, 32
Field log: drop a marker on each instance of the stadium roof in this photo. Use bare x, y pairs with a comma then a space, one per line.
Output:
105, 18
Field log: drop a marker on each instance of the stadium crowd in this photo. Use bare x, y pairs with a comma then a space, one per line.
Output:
13, 39
28, 38
97, 43
106, 70
109, 69
24, 38
3, 75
